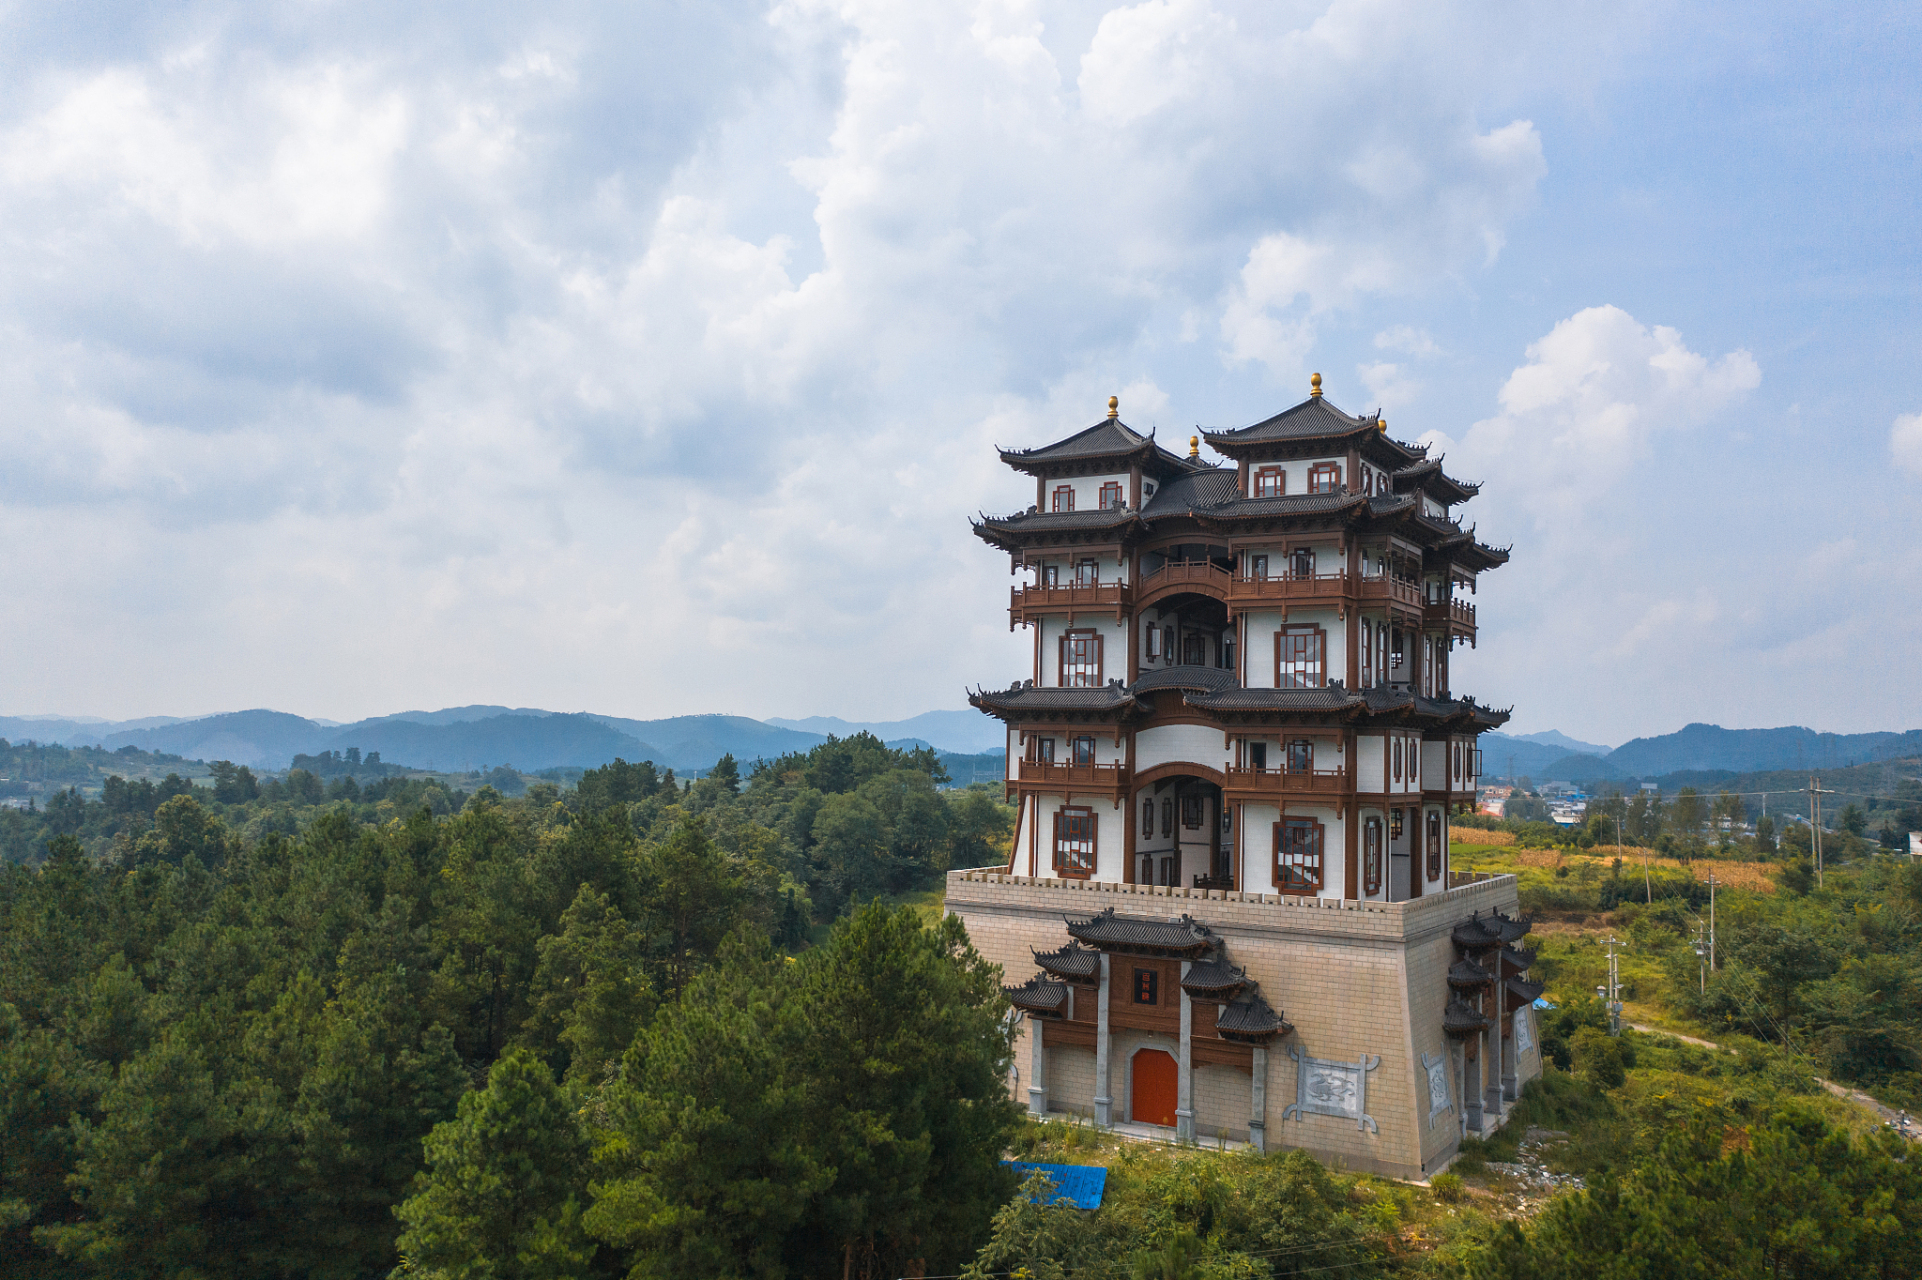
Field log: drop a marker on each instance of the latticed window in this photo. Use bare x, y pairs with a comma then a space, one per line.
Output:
1298, 856
1110, 495
1191, 811
1080, 660
1147, 817
1064, 497
1394, 824
1396, 752
1168, 817
1299, 659
1324, 477
1074, 841
1434, 845
1371, 858
1270, 482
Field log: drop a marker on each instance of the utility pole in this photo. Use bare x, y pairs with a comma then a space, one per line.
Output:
1612, 993
1701, 956
1816, 792
1712, 882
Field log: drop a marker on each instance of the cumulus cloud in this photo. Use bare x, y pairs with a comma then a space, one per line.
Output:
649, 358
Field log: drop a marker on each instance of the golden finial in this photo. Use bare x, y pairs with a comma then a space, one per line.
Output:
1381, 424
1194, 446
1314, 385
1114, 406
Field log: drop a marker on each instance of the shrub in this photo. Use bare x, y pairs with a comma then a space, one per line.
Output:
1447, 1187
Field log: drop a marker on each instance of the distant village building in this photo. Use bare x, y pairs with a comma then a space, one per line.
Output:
1236, 754
1915, 844
1492, 798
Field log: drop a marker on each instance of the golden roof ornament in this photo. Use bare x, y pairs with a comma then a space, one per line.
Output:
1314, 386
1381, 424
1114, 406
1194, 446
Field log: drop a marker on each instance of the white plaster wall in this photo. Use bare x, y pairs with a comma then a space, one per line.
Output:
1114, 645
1258, 847
1014, 753
1261, 629
1434, 762
1183, 743
1087, 491
1369, 772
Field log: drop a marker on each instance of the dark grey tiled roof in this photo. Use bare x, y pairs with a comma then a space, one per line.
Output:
1466, 974
1198, 490
1477, 934
1313, 418
1511, 929
1047, 521
1106, 438
1212, 977
1517, 957
1039, 996
1249, 1018
1431, 469
1460, 1019
1107, 931
1389, 504
1525, 991
1029, 697
1073, 962
1186, 677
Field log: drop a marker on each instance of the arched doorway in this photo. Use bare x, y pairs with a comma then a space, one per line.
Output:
1155, 1089
1184, 835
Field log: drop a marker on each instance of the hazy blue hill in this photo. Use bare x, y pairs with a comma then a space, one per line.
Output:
452, 715
73, 731
964, 732
1708, 746
526, 742
1556, 738
1503, 756
696, 742
261, 738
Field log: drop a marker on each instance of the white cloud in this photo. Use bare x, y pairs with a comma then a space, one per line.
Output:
647, 358
1905, 443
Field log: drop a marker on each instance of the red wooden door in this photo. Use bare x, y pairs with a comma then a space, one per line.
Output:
1154, 1088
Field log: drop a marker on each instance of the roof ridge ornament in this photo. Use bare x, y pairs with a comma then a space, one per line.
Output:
1194, 446
1314, 386
1114, 407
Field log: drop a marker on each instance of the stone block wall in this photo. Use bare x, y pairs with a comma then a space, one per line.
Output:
1354, 978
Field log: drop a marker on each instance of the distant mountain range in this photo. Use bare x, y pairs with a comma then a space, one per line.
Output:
457, 738
1695, 748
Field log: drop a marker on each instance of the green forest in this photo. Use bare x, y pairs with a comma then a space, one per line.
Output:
652, 1027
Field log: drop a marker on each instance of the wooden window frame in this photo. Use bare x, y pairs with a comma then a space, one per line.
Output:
1042, 750
1050, 575
1270, 482
1313, 865
1087, 573
1148, 816
1081, 749
1258, 756
1395, 821
1324, 477
1062, 500
1167, 816
1305, 749
1153, 653
1066, 848
1258, 567
1367, 653
1321, 649
1093, 637
1434, 840
1395, 754
1371, 856
1194, 812
1414, 761
1301, 563
1110, 495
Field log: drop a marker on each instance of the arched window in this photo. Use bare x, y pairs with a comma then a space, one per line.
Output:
1371, 856
1434, 845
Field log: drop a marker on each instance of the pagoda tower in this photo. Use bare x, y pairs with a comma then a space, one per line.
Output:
1240, 693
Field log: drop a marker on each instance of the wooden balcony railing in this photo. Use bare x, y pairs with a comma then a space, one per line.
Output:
1288, 781
1390, 589
1089, 777
1325, 586
1026, 601
1457, 613
1199, 572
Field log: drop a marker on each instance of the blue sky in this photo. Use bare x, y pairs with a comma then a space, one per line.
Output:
649, 359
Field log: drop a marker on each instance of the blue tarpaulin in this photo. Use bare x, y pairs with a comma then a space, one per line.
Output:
1079, 1184
1542, 1004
